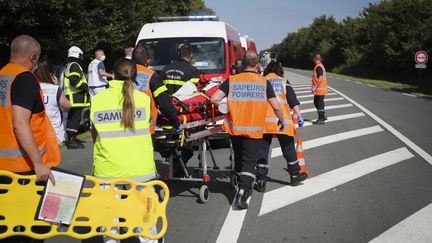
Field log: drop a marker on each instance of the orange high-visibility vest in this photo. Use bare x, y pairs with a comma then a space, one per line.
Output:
322, 88
12, 157
247, 103
144, 75
271, 127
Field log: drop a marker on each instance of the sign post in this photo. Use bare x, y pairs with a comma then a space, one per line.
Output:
421, 58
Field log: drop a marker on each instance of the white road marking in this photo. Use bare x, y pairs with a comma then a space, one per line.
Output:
302, 88
303, 92
330, 107
415, 228
339, 118
371, 85
231, 228
287, 195
332, 139
391, 129
357, 82
301, 85
325, 100
311, 95
411, 95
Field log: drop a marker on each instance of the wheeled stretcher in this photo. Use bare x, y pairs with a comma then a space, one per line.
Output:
200, 121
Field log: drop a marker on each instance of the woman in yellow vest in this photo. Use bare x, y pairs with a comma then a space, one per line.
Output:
120, 116
286, 98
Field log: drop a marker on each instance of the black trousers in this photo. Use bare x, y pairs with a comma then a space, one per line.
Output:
319, 105
74, 119
288, 150
246, 154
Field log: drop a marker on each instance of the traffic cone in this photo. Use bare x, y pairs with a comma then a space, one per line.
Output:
295, 118
300, 157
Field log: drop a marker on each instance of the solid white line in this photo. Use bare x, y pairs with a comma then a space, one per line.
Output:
339, 118
287, 195
415, 228
300, 85
391, 129
231, 228
332, 139
330, 107
405, 94
311, 95
325, 100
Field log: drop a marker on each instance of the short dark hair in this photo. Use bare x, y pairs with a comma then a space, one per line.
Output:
140, 55
184, 50
250, 59
274, 67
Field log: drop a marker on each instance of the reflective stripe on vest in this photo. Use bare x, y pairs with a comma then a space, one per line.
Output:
174, 82
244, 128
68, 88
13, 153
124, 133
273, 119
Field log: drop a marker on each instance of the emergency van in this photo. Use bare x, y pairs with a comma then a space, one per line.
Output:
217, 50
248, 43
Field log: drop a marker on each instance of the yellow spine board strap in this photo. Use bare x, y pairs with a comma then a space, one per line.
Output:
183, 131
100, 207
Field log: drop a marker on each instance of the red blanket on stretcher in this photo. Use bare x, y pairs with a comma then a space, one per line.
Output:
193, 106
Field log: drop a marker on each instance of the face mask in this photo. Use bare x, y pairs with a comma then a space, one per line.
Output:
102, 58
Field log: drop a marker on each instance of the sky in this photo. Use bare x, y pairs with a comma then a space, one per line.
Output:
269, 21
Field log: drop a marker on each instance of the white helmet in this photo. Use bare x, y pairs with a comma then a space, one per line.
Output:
74, 51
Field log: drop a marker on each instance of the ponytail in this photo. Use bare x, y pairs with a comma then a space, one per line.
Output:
128, 113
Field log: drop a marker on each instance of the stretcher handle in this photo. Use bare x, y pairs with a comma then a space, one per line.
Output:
184, 107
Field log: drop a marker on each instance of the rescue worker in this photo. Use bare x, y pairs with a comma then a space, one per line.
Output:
319, 88
120, 117
76, 91
247, 97
28, 143
176, 74
288, 99
149, 82
97, 76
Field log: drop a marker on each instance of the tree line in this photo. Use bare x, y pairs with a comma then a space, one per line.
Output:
89, 24
380, 43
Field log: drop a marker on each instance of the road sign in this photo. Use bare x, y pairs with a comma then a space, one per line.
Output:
421, 57
421, 66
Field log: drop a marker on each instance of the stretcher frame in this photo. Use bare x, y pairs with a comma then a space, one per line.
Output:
196, 133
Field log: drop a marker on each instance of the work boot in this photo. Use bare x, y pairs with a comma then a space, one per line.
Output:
319, 122
72, 142
296, 178
325, 117
260, 185
241, 199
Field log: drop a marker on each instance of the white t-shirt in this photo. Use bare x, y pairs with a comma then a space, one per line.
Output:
51, 94
94, 78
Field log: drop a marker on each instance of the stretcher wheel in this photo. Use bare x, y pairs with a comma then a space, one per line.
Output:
204, 194
234, 180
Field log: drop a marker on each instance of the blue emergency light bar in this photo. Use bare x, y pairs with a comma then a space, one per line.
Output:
188, 18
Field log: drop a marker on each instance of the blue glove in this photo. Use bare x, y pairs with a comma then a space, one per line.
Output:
282, 125
314, 88
179, 129
300, 121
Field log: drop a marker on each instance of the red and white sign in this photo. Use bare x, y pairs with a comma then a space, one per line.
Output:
421, 57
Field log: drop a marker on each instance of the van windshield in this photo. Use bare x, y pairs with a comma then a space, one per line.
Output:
208, 53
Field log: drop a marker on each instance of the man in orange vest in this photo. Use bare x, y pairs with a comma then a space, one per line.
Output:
28, 143
151, 83
319, 88
247, 96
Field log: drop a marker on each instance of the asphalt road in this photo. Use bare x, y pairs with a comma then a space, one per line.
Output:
371, 177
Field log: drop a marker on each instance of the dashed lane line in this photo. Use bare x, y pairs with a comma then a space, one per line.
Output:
326, 100
284, 196
276, 152
391, 129
415, 228
312, 95
339, 118
330, 107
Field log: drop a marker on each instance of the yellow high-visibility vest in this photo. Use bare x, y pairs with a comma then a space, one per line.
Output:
69, 90
121, 152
